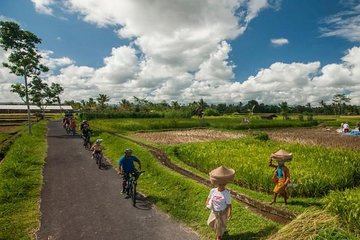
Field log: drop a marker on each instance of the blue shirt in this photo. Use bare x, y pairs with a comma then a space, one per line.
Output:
127, 163
279, 172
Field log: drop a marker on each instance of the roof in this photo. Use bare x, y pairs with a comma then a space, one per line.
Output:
34, 107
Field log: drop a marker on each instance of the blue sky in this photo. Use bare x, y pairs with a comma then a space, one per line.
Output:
221, 51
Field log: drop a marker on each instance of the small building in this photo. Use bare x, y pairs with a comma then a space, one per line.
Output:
268, 116
35, 109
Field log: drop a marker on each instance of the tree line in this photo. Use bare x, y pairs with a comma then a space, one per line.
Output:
340, 105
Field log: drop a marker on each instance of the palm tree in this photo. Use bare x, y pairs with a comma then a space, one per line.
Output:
102, 99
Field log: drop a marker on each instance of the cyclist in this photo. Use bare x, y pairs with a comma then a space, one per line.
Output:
84, 125
96, 148
126, 166
85, 130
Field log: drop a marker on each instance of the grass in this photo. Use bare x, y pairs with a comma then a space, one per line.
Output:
346, 204
314, 224
312, 168
21, 181
296, 204
184, 198
126, 125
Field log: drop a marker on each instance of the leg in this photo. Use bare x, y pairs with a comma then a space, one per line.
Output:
274, 198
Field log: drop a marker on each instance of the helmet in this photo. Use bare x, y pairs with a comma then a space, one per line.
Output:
128, 150
98, 141
84, 121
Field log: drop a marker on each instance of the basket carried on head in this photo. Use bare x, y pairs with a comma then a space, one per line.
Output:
281, 156
222, 175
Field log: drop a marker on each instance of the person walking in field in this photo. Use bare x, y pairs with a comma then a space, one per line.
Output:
281, 175
219, 200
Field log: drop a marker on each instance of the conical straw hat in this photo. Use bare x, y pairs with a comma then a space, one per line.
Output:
222, 175
281, 155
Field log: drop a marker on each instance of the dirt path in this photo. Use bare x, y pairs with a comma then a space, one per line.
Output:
79, 201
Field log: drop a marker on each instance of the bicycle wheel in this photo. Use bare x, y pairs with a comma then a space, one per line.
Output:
99, 161
129, 188
133, 194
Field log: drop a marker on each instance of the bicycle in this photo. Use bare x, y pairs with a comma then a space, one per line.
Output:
86, 138
132, 184
98, 159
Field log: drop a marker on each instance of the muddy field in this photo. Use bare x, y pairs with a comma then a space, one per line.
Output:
186, 136
307, 136
327, 137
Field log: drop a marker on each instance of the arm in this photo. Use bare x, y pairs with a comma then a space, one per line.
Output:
119, 167
287, 174
271, 163
228, 212
138, 162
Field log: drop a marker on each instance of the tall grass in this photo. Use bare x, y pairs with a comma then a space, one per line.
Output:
20, 185
229, 123
313, 224
346, 204
183, 198
316, 170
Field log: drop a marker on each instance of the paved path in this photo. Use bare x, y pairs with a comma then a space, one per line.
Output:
79, 201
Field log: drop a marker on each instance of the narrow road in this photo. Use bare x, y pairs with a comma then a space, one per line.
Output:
79, 201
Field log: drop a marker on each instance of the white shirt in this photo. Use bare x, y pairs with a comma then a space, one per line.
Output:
219, 200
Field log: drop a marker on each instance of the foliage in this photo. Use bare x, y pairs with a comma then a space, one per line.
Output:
346, 204
20, 185
24, 59
125, 125
211, 112
108, 114
262, 136
102, 99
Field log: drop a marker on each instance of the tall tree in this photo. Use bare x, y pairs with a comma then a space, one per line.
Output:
24, 59
339, 102
285, 110
102, 99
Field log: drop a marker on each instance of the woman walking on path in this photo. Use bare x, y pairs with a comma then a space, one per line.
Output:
219, 200
281, 176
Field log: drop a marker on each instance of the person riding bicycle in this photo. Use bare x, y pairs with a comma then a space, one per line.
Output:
85, 129
96, 148
126, 166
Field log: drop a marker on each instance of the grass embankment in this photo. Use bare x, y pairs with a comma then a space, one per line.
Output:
312, 168
20, 185
183, 198
126, 125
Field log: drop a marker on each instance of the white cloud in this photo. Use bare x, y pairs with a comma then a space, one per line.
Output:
43, 6
345, 24
54, 63
6, 19
279, 41
179, 51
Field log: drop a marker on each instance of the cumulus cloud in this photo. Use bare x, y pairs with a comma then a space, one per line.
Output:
180, 51
44, 6
54, 63
279, 41
345, 24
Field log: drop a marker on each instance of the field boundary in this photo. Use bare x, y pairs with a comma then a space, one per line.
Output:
268, 211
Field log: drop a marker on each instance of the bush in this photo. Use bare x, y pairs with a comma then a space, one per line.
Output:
106, 115
211, 112
262, 136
